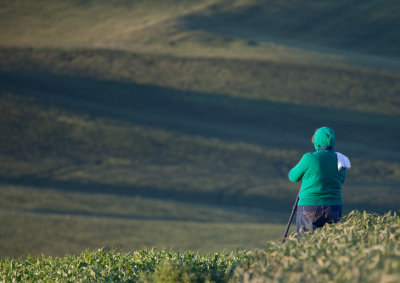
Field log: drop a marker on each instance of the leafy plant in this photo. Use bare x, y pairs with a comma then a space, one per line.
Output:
364, 247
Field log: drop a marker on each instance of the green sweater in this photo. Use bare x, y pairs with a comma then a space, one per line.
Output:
321, 181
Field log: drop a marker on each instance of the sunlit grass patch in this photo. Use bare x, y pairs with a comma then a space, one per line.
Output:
362, 248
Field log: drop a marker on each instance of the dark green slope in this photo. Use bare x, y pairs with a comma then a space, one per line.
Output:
370, 27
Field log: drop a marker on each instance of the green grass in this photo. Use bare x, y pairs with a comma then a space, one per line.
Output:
39, 221
57, 233
362, 248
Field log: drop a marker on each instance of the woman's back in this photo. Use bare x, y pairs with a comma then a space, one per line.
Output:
321, 174
321, 181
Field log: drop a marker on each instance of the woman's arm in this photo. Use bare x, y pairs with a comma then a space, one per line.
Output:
297, 172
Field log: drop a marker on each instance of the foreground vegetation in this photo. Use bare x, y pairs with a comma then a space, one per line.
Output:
114, 266
362, 248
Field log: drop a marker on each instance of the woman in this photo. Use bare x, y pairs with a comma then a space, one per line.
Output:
322, 174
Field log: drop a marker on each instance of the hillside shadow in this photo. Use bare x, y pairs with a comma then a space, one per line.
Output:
346, 25
261, 203
266, 123
199, 197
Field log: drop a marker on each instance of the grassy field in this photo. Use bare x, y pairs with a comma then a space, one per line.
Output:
174, 123
38, 221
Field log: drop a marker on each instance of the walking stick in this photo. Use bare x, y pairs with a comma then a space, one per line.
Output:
290, 218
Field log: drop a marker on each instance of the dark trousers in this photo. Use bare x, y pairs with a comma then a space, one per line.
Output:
310, 217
